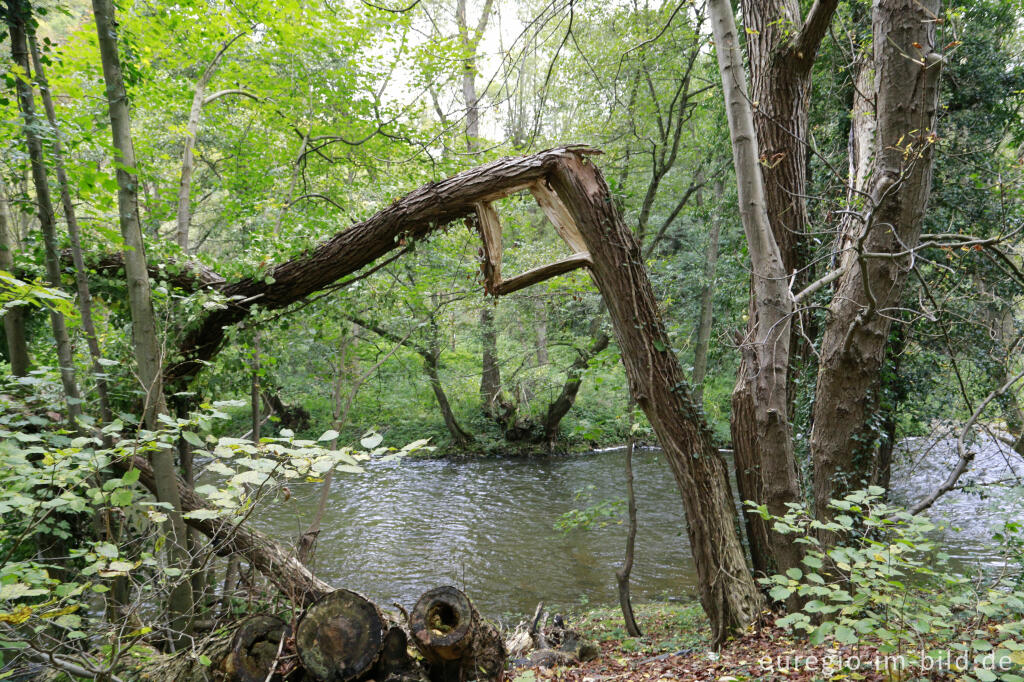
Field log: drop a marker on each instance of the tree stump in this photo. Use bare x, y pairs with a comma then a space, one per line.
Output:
457, 644
340, 636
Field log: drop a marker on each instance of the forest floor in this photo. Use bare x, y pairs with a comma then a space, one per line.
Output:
676, 648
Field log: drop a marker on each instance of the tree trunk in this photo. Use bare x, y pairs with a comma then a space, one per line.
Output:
728, 594
541, 327
622, 575
14, 318
561, 405
74, 235
707, 301
144, 331
340, 636
19, 15
762, 439
860, 318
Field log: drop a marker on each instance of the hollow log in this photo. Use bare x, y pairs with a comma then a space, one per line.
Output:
457, 644
340, 636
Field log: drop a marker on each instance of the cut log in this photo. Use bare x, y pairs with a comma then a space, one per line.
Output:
255, 649
457, 644
340, 636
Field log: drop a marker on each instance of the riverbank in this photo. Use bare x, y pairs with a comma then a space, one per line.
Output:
675, 646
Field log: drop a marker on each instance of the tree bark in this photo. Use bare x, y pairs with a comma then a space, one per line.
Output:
146, 342
14, 318
728, 594
762, 438
340, 636
906, 65
19, 15
456, 642
74, 235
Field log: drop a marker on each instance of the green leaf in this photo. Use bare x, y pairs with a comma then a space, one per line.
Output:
330, 434
193, 439
371, 440
845, 635
780, 593
795, 573
131, 476
202, 514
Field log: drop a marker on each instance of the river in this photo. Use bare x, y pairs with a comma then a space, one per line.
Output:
487, 526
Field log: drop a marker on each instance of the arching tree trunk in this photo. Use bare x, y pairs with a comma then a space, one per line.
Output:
728, 592
74, 236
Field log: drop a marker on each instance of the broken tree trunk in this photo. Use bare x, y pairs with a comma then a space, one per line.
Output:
456, 642
578, 202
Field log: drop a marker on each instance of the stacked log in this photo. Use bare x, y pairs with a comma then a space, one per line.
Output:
345, 637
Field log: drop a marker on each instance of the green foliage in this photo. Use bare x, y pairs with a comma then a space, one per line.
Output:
596, 513
883, 581
63, 498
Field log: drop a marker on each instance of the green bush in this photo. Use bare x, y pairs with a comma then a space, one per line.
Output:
882, 582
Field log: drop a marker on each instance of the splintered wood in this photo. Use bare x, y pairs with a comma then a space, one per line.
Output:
489, 223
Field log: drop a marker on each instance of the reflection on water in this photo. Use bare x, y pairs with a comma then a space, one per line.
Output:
487, 525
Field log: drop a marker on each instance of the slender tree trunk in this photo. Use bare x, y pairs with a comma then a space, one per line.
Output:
14, 318
707, 300
623, 573
490, 374
431, 362
561, 405
148, 355
764, 446
781, 48
541, 327
906, 66
254, 393
18, 18
75, 236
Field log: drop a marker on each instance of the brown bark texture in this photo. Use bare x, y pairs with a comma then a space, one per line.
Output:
781, 47
762, 437
907, 67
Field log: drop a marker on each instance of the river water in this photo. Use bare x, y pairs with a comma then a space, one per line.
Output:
487, 526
